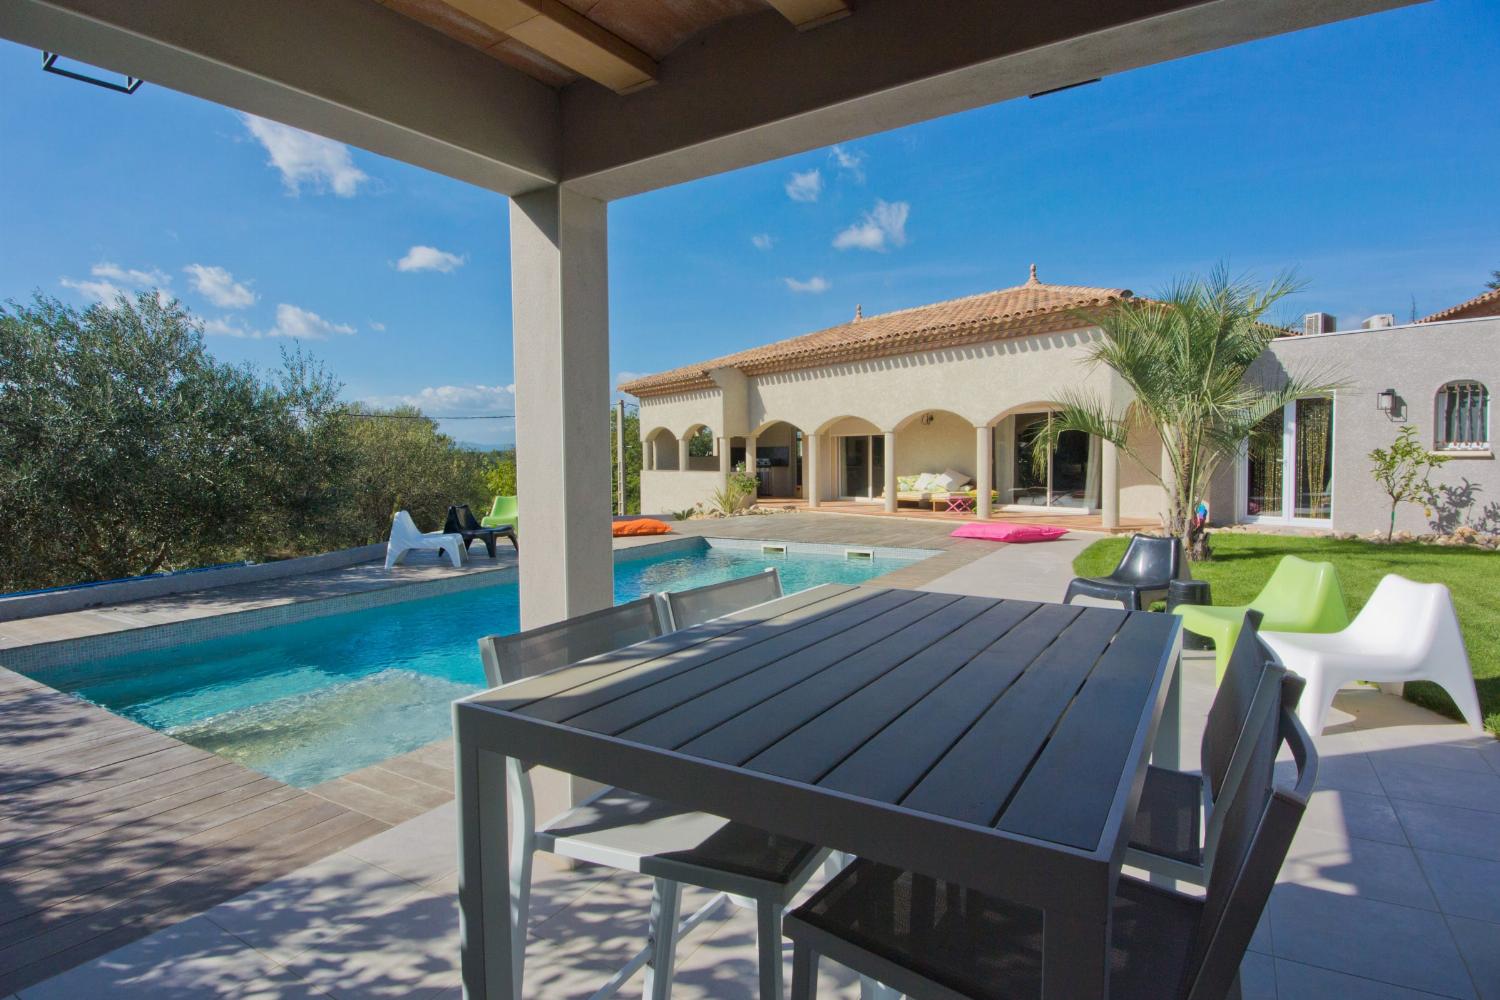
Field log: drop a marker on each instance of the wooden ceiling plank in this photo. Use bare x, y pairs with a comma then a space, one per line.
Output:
807, 14
567, 37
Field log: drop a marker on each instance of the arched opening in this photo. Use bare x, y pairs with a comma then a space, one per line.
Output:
660, 450
778, 460
702, 451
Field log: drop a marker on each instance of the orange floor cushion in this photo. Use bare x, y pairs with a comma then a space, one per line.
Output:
641, 526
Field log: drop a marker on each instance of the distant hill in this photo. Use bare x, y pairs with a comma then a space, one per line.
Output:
478, 446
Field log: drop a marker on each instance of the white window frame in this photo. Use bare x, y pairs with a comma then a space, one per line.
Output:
1440, 413
1289, 482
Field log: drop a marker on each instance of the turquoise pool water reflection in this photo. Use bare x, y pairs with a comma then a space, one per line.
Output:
309, 701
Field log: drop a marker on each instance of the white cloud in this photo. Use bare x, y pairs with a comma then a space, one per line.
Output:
455, 400
763, 241
292, 321
806, 186
422, 258
851, 162
816, 285
110, 281
104, 292
377, 327
882, 227
130, 276
306, 159
219, 287
229, 326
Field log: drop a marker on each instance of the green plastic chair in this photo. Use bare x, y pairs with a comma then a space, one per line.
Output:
503, 515
1301, 596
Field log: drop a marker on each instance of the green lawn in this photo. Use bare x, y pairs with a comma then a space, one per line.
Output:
1243, 562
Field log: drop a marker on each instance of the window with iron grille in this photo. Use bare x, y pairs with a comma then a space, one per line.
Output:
1463, 416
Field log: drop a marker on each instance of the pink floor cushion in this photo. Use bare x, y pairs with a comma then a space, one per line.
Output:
1000, 531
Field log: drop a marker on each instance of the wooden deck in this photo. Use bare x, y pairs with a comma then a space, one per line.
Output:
110, 830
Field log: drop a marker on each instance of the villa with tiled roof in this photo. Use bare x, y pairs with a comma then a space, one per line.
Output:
920, 408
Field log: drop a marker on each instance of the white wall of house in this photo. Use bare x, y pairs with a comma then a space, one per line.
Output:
962, 388
1416, 361
947, 442
665, 491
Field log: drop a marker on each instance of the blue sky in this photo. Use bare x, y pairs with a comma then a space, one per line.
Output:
1364, 154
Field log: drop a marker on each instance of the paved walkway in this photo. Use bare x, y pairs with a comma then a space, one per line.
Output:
1392, 889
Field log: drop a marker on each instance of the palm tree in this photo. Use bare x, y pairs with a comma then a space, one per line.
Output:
1186, 357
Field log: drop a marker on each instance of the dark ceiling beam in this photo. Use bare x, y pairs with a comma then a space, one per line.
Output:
749, 90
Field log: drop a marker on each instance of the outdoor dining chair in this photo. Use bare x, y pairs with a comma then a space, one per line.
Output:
700, 604
932, 939
1300, 596
1407, 631
631, 832
1177, 815
1150, 563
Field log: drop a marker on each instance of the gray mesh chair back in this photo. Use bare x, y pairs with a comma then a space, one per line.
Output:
511, 657
701, 604
1252, 842
1248, 688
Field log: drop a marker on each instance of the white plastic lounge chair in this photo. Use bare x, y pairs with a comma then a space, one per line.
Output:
687, 608
632, 832
407, 537
1407, 632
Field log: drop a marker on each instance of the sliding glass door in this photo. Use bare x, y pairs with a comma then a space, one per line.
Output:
1287, 473
1070, 477
862, 466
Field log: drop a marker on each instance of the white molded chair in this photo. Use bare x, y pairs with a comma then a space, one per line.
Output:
687, 608
632, 832
407, 537
1407, 632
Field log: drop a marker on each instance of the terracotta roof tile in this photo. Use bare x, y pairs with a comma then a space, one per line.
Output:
1010, 312
1487, 304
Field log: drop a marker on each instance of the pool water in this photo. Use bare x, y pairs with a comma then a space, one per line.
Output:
308, 701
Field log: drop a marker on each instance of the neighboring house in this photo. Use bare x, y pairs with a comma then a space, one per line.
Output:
855, 411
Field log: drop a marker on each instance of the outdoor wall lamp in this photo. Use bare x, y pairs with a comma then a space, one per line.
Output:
1385, 401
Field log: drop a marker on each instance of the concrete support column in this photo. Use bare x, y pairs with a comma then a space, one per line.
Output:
811, 460
682, 453
750, 459
648, 455
560, 312
724, 467
1109, 484
890, 472
984, 461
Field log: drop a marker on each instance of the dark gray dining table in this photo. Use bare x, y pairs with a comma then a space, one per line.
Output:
999, 744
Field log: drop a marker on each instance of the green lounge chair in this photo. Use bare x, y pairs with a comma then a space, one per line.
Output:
1301, 596
503, 515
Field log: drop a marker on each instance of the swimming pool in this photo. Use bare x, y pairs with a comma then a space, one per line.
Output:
307, 701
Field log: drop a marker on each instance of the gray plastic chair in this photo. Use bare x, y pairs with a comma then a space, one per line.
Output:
1171, 834
928, 938
632, 832
694, 607
1149, 564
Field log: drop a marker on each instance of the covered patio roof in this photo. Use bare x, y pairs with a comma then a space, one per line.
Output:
564, 105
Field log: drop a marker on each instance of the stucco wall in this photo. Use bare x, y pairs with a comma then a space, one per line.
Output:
1416, 361
979, 383
1140, 493
665, 491
947, 443
682, 411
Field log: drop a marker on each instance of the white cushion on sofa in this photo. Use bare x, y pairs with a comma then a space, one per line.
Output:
956, 480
